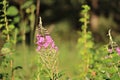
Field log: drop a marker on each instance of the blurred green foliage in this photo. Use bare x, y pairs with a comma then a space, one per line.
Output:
12, 11
88, 61
107, 15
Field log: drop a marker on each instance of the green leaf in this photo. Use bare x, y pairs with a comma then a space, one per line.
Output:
18, 67
115, 77
26, 4
16, 19
16, 30
82, 20
116, 58
1, 20
112, 70
86, 7
5, 32
60, 74
7, 45
11, 27
1, 26
12, 11
5, 50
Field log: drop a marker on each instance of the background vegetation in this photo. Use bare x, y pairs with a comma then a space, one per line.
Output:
82, 44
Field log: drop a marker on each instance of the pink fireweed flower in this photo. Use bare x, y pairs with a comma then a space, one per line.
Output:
118, 50
110, 50
48, 41
45, 42
54, 47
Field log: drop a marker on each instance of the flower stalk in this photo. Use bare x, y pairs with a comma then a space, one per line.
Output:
47, 52
112, 46
85, 41
5, 18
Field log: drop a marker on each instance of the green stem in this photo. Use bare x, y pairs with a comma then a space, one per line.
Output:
44, 63
38, 75
7, 29
5, 18
23, 24
110, 37
85, 44
32, 22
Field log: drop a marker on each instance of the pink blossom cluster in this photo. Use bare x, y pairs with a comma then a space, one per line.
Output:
45, 42
117, 49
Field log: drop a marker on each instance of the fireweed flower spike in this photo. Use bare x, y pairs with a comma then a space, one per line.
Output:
111, 43
118, 50
113, 46
47, 52
44, 40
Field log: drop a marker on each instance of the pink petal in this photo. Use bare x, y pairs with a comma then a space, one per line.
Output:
118, 50
56, 48
46, 44
48, 38
38, 36
110, 50
38, 48
41, 39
